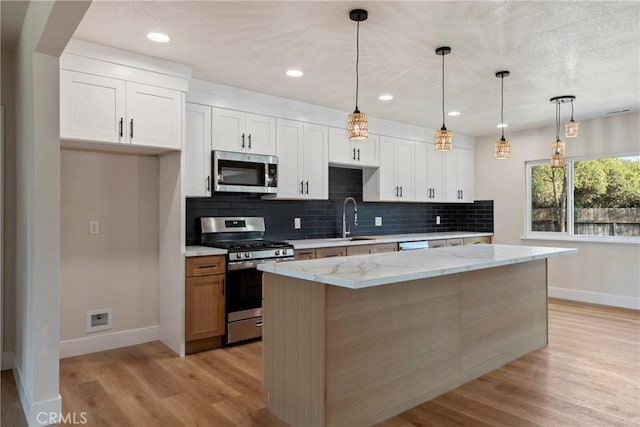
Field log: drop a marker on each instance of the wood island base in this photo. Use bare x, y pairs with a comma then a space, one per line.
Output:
354, 357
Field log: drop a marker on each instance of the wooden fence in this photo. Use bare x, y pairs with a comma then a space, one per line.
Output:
592, 221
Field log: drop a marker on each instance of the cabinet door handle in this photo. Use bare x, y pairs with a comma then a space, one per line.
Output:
249, 141
358, 154
131, 129
400, 191
307, 184
223, 284
243, 140
121, 126
461, 194
397, 191
208, 184
301, 187
354, 154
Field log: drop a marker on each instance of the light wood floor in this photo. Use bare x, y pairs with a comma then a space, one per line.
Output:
588, 376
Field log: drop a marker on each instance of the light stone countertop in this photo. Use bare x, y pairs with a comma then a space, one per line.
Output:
388, 238
190, 251
363, 271
385, 238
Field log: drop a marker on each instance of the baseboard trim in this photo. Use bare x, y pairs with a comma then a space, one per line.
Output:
39, 413
595, 298
8, 360
108, 341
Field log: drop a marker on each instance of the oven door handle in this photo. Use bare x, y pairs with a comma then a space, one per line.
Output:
246, 265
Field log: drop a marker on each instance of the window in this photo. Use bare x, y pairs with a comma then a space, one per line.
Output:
596, 197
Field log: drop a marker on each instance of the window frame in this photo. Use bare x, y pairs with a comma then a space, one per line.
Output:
569, 234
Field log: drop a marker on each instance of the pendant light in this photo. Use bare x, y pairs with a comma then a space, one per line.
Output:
571, 128
357, 124
558, 147
443, 136
503, 146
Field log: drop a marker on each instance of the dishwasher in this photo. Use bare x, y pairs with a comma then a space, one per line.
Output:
412, 246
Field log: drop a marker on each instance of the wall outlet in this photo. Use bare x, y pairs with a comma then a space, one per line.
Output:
296, 223
94, 227
99, 320
378, 221
437, 219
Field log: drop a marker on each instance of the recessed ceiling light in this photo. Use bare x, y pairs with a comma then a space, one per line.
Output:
158, 37
502, 125
453, 113
385, 97
294, 73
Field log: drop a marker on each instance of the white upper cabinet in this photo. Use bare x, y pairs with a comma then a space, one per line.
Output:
394, 179
103, 109
435, 174
303, 164
465, 175
343, 152
459, 170
315, 161
154, 116
92, 107
420, 172
261, 134
196, 154
243, 132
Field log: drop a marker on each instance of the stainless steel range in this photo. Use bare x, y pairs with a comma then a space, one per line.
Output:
243, 238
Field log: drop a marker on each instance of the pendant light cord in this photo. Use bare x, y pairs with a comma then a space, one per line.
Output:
502, 104
572, 110
443, 91
557, 121
357, 60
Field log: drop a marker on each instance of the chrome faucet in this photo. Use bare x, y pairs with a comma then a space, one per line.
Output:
346, 232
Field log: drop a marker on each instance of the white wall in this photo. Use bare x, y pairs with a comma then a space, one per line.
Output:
9, 209
604, 273
118, 268
37, 221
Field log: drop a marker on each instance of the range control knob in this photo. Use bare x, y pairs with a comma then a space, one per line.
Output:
247, 255
277, 252
284, 252
238, 255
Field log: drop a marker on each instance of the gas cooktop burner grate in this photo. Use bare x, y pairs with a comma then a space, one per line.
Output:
248, 245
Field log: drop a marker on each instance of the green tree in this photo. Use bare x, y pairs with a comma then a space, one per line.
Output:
607, 183
549, 190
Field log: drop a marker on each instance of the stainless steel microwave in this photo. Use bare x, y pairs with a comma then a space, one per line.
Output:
244, 173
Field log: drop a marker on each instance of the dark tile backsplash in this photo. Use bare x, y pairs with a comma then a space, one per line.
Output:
323, 218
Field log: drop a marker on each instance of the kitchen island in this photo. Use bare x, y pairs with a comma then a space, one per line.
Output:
352, 341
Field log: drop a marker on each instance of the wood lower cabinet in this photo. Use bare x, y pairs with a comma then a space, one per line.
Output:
204, 297
301, 254
477, 240
331, 252
437, 243
372, 249
455, 242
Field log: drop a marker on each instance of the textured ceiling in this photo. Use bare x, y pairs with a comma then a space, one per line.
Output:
588, 49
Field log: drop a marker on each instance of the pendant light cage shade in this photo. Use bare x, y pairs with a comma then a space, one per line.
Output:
357, 126
503, 146
571, 128
557, 161
559, 147
503, 149
443, 135
443, 140
357, 123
